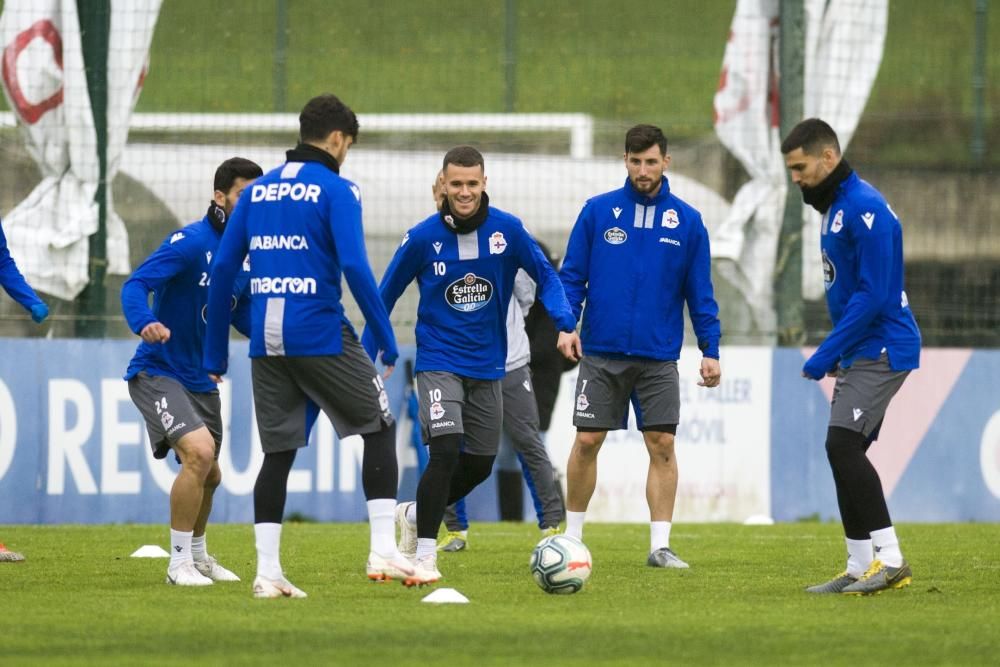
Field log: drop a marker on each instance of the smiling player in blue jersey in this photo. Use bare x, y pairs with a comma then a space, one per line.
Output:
178, 401
874, 345
636, 255
464, 259
301, 225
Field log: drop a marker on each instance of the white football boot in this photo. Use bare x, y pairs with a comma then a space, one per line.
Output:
381, 568
276, 588
185, 574
425, 572
211, 569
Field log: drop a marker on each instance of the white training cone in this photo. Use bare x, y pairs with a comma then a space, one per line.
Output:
758, 520
150, 551
446, 596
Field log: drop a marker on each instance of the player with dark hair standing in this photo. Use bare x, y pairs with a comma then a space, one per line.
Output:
873, 346
464, 259
178, 401
636, 255
301, 225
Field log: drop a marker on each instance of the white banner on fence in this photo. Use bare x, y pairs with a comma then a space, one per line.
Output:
45, 83
844, 41
722, 446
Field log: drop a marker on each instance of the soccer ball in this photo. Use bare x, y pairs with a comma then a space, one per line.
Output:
560, 564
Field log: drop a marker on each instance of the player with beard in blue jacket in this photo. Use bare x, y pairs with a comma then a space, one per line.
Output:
178, 401
874, 345
636, 255
301, 225
464, 259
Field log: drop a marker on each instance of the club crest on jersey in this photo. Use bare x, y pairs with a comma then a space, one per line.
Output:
615, 236
670, 219
469, 294
582, 403
437, 247
829, 271
838, 222
497, 243
437, 412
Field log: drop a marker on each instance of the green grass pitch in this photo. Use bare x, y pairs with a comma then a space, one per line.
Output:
79, 599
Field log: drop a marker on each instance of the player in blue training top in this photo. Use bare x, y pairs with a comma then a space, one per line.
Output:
464, 259
636, 255
301, 224
874, 345
178, 401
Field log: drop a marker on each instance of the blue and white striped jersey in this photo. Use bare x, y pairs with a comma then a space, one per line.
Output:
300, 224
466, 281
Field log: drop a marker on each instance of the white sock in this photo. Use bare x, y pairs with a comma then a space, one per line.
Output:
574, 524
199, 550
659, 535
268, 539
887, 546
426, 546
411, 513
859, 556
382, 523
180, 546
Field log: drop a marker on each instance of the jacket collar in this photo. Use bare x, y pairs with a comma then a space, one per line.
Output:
640, 198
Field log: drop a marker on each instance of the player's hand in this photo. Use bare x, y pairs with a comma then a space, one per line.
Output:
39, 312
217, 379
570, 346
711, 372
154, 332
388, 372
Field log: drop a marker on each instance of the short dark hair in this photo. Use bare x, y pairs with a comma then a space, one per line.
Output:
643, 137
233, 168
324, 114
811, 135
463, 156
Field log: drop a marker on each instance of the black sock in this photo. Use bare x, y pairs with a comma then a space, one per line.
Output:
859, 488
510, 495
472, 469
271, 487
379, 469
432, 491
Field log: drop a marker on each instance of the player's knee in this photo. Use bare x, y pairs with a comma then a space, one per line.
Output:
214, 477
197, 452
588, 443
843, 445
660, 446
444, 449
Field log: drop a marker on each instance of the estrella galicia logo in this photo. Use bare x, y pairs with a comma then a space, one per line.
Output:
469, 294
829, 271
615, 236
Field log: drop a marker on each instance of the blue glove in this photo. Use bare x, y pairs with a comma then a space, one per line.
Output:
39, 312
